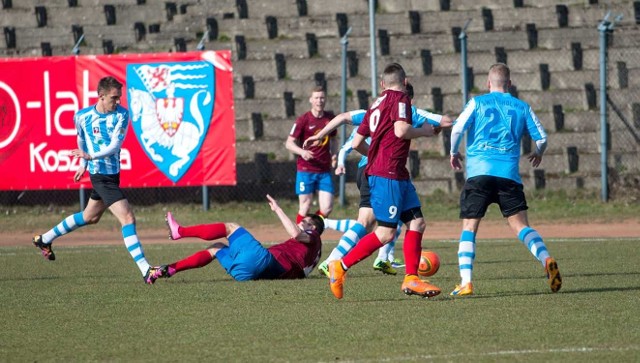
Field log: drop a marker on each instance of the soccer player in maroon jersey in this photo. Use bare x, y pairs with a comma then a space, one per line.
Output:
314, 163
393, 196
243, 257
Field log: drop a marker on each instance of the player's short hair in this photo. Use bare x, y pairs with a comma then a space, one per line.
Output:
393, 74
315, 89
410, 90
499, 74
108, 83
318, 222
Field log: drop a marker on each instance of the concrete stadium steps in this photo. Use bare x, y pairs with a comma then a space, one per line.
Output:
246, 150
275, 129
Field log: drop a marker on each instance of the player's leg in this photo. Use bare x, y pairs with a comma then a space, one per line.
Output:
305, 189
123, 212
207, 232
466, 256
513, 205
412, 248
384, 200
364, 224
324, 184
476, 195
90, 215
385, 259
340, 225
197, 260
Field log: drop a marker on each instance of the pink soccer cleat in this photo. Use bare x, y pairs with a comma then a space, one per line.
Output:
174, 227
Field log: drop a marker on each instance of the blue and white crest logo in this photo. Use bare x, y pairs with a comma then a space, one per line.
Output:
171, 106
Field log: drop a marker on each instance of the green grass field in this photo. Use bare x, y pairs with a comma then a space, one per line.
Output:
92, 305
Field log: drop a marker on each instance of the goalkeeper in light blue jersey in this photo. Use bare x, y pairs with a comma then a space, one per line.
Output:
495, 124
101, 131
356, 229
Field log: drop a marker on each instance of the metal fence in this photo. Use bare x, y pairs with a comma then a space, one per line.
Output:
556, 67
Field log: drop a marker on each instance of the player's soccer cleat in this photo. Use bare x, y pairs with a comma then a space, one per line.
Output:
337, 275
157, 272
464, 290
323, 268
173, 225
397, 263
384, 267
553, 274
45, 249
412, 285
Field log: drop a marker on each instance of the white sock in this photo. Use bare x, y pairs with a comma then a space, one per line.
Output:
69, 224
347, 241
134, 247
341, 225
533, 241
466, 255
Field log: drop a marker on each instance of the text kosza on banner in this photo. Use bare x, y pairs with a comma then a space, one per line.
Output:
181, 130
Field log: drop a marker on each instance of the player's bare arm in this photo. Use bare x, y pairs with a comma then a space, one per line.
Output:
342, 119
292, 229
358, 143
404, 130
292, 145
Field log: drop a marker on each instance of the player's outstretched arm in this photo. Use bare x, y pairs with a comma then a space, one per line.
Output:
292, 229
341, 119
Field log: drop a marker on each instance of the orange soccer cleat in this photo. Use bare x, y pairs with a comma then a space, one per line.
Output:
337, 275
412, 285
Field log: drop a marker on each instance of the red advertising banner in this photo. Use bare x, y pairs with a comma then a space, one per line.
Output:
181, 129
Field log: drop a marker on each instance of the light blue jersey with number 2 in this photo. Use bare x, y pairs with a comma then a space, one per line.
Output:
495, 123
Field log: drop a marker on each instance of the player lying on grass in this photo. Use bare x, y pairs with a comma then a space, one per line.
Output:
242, 256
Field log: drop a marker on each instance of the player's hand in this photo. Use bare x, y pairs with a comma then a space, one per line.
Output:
81, 154
272, 203
79, 173
456, 161
307, 155
334, 161
429, 130
340, 169
310, 142
535, 159
437, 130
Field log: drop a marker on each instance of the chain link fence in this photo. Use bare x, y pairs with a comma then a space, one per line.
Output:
281, 51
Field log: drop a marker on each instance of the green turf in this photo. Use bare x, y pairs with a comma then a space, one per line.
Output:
91, 305
544, 206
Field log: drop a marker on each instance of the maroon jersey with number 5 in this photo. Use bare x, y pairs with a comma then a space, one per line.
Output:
387, 153
306, 126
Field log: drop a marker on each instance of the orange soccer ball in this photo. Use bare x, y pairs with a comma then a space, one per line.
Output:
429, 263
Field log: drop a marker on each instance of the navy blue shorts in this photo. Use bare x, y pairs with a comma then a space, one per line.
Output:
106, 188
481, 191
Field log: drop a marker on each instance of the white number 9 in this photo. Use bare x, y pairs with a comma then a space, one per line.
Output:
393, 210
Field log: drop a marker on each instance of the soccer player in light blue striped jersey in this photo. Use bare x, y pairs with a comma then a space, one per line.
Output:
101, 131
356, 229
495, 123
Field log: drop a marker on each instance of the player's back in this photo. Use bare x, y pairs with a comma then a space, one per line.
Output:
387, 153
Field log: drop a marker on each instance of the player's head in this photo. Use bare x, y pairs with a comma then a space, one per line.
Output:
499, 78
109, 93
315, 221
393, 76
317, 99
